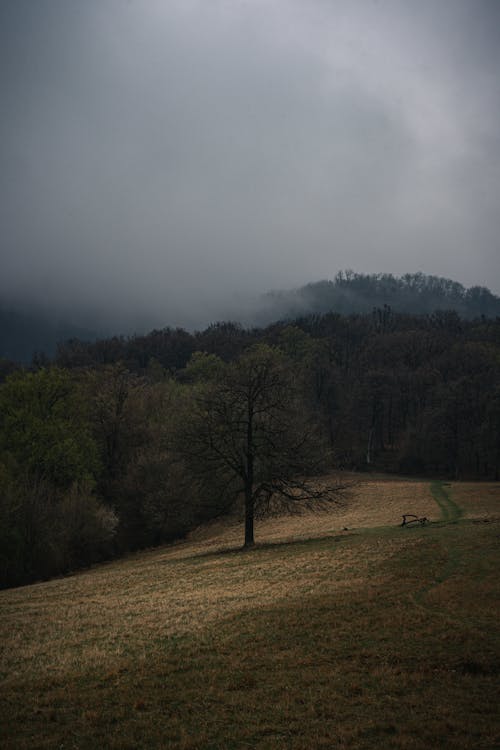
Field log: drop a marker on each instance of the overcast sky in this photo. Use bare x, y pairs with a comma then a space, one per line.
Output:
169, 158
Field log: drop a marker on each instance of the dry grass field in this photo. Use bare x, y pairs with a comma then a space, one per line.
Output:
339, 630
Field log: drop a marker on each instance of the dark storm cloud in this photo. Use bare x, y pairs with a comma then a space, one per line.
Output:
165, 159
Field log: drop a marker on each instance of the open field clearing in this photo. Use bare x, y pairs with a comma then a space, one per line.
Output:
375, 636
372, 503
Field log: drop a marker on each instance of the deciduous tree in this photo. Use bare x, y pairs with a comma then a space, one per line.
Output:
250, 434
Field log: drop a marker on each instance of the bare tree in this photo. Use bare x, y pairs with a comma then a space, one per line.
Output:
252, 436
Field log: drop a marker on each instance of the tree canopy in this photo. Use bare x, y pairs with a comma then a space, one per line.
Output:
251, 430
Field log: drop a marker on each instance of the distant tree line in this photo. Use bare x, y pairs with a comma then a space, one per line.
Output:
126, 443
415, 293
24, 332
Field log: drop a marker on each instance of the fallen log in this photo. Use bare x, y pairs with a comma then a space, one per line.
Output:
414, 519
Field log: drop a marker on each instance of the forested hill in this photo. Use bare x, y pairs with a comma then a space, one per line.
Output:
352, 292
22, 333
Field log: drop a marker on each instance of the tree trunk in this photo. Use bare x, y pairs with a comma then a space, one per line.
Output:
369, 446
249, 499
249, 514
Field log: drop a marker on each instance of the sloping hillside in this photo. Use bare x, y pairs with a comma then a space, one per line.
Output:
341, 629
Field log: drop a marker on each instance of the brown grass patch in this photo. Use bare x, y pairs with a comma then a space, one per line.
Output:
362, 639
479, 500
372, 502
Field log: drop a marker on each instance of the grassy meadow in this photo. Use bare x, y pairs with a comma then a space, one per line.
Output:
341, 629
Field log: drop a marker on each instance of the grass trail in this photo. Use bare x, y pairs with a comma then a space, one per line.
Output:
452, 567
450, 511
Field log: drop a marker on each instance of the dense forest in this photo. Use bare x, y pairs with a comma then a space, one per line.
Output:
129, 442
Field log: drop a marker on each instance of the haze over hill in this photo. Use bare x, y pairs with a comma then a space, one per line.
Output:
24, 332
352, 292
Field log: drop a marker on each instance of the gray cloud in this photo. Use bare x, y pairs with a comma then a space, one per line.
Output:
165, 161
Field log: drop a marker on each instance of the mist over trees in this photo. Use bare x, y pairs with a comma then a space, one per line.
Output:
129, 442
416, 293
24, 332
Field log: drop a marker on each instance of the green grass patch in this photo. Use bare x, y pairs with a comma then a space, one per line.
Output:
450, 511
